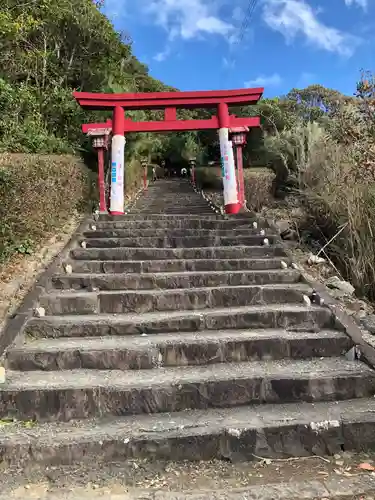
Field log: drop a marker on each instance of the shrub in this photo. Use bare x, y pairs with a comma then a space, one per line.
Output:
39, 193
209, 178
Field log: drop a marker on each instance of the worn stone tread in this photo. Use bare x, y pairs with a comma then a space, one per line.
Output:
172, 280
169, 241
267, 430
195, 421
294, 370
60, 302
190, 348
178, 265
174, 232
302, 287
171, 274
184, 320
179, 224
218, 252
202, 337
139, 216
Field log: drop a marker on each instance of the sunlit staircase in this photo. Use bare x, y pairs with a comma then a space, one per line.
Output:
179, 334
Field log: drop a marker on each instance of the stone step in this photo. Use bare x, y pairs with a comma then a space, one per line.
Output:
126, 253
174, 233
152, 216
185, 206
286, 316
145, 301
153, 211
200, 210
190, 348
163, 201
169, 241
235, 434
170, 280
69, 394
192, 265
244, 218
173, 223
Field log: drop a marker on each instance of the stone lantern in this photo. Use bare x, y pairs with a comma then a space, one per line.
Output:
100, 142
239, 137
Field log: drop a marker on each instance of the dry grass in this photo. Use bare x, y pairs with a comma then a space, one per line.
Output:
337, 198
258, 188
338, 193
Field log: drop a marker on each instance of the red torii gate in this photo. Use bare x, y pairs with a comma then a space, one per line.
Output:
170, 102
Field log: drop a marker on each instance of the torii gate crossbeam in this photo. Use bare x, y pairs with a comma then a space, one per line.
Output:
175, 125
170, 102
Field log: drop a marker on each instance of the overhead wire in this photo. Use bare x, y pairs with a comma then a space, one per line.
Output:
248, 15
246, 20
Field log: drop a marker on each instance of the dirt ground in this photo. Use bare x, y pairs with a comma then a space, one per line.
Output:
100, 480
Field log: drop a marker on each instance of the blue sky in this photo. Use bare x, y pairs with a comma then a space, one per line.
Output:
214, 44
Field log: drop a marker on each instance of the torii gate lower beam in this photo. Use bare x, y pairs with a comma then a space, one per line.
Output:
170, 102
175, 125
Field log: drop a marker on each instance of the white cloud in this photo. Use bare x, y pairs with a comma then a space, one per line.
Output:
162, 56
189, 19
306, 79
294, 17
265, 81
238, 14
360, 3
115, 9
228, 63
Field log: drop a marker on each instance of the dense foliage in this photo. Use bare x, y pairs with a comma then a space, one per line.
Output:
48, 48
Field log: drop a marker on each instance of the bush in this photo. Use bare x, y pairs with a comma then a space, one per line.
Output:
209, 178
38, 196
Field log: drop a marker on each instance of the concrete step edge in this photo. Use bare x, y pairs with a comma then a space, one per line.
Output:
300, 287
278, 308
175, 274
170, 339
319, 428
168, 377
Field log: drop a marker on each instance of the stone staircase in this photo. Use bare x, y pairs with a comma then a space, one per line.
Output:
180, 335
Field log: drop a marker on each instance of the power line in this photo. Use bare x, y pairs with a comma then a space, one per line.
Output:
247, 18
248, 14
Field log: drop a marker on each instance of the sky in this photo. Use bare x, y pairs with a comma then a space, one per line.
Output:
278, 44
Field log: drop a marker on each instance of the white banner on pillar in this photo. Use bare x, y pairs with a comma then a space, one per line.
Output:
117, 174
228, 168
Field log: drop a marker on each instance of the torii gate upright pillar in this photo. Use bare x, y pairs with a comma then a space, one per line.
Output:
231, 202
118, 161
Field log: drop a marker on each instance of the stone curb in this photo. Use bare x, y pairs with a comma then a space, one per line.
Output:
15, 323
364, 351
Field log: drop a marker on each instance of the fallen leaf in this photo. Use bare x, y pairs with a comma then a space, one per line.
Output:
347, 474
366, 466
